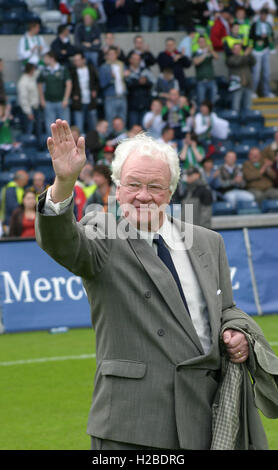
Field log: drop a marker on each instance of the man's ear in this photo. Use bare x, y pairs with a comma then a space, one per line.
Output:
117, 194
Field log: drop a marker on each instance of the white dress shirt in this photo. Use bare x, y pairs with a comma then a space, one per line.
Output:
188, 279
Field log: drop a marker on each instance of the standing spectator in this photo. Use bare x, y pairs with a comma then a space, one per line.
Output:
233, 38
142, 49
12, 196
183, 14
269, 5
259, 176
85, 89
207, 124
6, 136
198, 194
172, 59
203, 61
54, 88
192, 153
139, 83
29, 100
152, 120
221, 29
62, 47
167, 137
270, 150
149, 15
240, 75
22, 222
108, 155
244, 24
112, 83
118, 132
109, 41
232, 183
166, 82
86, 180
39, 185
78, 8
65, 7
176, 113
262, 39
87, 36
116, 12
105, 188
32, 46
95, 141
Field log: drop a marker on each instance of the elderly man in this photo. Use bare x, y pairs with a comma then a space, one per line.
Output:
259, 176
158, 308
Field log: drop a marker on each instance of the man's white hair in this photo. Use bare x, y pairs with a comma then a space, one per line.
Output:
145, 146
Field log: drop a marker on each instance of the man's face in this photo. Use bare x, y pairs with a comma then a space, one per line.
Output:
38, 180
109, 39
111, 56
102, 127
170, 45
135, 60
78, 60
230, 158
118, 125
202, 43
174, 95
254, 155
88, 20
237, 49
139, 43
143, 207
99, 178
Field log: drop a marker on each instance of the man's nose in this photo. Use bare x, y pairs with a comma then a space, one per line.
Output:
143, 194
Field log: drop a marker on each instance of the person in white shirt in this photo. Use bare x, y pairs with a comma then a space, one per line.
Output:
29, 100
152, 121
258, 5
31, 46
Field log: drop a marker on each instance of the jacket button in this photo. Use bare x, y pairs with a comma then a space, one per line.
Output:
161, 332
148, 294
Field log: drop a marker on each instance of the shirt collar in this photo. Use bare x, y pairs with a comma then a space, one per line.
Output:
168, 231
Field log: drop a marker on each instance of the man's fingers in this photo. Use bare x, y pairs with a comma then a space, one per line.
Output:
67, 132
50, 145
227, 336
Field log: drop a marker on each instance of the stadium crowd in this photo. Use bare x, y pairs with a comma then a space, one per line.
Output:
108, 94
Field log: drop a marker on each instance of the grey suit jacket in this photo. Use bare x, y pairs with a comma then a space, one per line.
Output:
154, 385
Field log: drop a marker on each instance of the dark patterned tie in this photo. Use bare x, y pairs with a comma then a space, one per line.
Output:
164, 255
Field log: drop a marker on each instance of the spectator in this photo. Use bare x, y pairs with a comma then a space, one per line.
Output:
139, 83
116, 12
105, 188
274, 167
78, 8
262, 40
87, 37
95, 141
172, 59
142, 49
85, 90
192, 152
118, 132
66, 10
270, 150
109, 41
6, 136
55, 86
245, 4
269, 5
12, 196
203, 61
149, 15
32, 47
210, 174
259, 176
86, 179
233, 38
187, 42
29, 100
62, 47
166, 82
112, 83
101, 20
244, 25
39, 185
108, 155
176, 113
22, 222
134, 130
207, 124
168, 17
167, 137
199, 195
232, 183
221, 29
183, 14
152, 120
240, 75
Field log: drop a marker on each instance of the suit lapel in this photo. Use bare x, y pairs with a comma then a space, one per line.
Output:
165, 282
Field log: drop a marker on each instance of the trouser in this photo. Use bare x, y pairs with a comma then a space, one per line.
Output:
206, 89
85, 119
115, 106
271, 193
105, 444
53, 111
241, 99
262, 66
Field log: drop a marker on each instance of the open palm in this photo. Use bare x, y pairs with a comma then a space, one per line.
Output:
68, 157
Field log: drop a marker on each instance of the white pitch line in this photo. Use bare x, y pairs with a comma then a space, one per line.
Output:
47, 359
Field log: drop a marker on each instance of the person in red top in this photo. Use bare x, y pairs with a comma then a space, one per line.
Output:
221, 29
22, 222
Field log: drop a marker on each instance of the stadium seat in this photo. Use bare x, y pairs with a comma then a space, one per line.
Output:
42, 159
242, 151
267, 133
17, 159
222, 208
270, 205
252, 117
28, 141
248, 135
229, 115
248, 207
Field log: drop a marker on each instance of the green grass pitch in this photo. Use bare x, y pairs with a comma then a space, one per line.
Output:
45, 403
